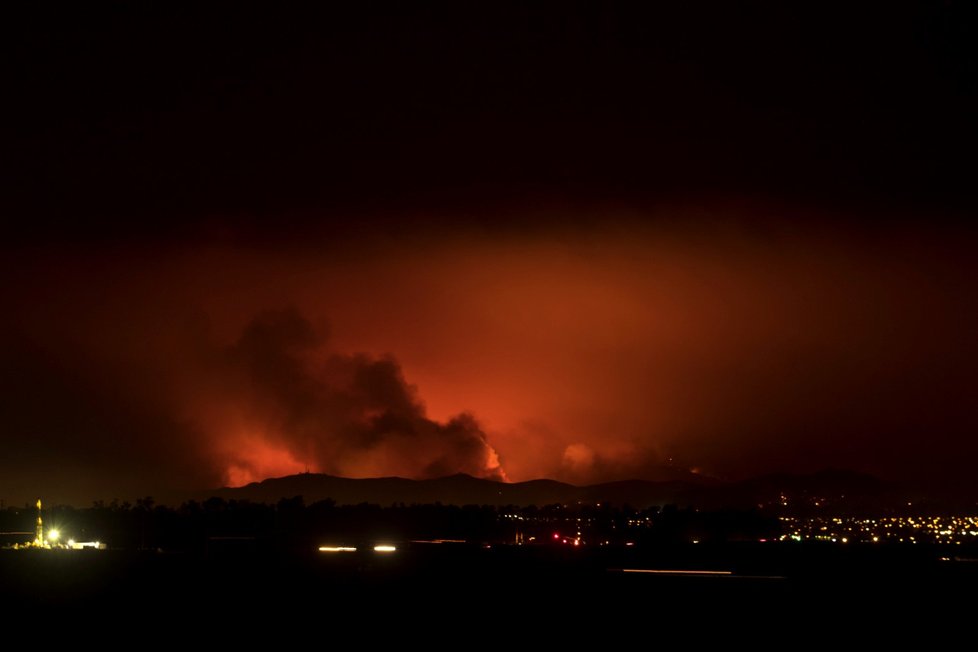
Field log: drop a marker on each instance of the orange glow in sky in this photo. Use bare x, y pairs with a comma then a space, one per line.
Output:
599, 355
255, 459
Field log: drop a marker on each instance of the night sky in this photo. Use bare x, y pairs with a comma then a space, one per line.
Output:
583, 241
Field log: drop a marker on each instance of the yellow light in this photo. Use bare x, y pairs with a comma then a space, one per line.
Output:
71, 543
53, 535
384, 548
336, 549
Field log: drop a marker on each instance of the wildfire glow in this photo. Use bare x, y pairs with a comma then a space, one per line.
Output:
255, 460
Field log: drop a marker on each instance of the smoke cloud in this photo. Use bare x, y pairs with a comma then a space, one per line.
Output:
352, 415
582, 353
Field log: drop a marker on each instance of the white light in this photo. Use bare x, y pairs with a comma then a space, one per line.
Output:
53, 535
384, 548
336, 549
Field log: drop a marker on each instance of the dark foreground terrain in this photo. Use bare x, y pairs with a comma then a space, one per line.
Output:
428, 590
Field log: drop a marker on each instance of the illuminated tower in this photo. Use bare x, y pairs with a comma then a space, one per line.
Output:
39, 537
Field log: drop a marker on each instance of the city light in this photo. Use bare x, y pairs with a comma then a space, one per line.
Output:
894, 529
384, 548
337, 549
53, 535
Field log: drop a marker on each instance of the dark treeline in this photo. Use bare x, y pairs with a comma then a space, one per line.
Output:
218, 524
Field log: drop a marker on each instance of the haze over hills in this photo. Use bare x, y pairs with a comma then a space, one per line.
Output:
826, 489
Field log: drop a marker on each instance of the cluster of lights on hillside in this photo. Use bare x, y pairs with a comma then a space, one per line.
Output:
899, 529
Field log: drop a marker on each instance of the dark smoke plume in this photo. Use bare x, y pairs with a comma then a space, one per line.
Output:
343, 414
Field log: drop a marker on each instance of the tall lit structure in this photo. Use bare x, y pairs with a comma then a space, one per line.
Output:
39, 537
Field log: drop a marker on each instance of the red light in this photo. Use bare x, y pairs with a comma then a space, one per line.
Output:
556, 536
